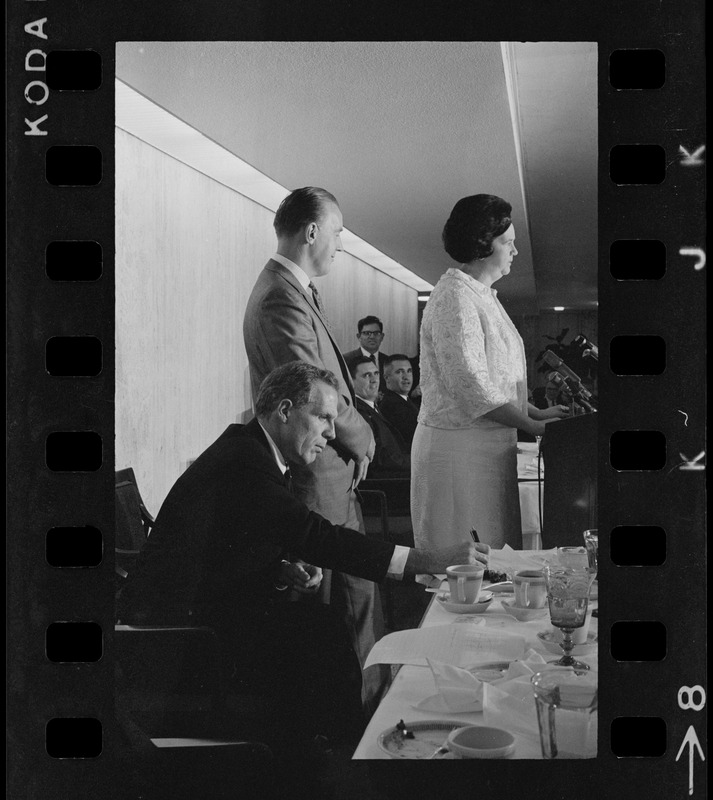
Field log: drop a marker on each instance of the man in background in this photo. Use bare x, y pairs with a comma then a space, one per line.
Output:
370, 334
285, 321
392, 458
396, 405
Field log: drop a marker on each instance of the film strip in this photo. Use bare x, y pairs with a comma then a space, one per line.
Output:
651, 422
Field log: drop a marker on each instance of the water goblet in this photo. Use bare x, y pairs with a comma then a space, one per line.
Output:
568, 598
591, 542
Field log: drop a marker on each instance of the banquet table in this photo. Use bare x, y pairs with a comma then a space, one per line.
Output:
413, 683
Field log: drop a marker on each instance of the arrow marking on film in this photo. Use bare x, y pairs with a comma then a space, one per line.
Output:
690, 739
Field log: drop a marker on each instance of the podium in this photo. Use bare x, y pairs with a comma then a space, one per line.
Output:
569, 449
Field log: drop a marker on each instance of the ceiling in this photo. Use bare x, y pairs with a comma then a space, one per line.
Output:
399, 131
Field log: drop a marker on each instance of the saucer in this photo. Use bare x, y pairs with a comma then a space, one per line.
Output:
523, 614
552, 645
484, 600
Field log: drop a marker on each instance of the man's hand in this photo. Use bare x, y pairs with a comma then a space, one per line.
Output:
300, 576
360, 470
436, 561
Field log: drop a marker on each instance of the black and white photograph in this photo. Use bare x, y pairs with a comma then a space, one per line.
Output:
310, 481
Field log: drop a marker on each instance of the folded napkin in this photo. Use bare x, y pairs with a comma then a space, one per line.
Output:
460, 691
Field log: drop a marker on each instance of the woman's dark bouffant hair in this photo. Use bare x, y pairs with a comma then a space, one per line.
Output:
473, 224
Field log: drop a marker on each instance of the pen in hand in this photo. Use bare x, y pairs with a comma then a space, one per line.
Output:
481, 548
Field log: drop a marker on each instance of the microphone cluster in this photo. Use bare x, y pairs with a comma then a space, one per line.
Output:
568, 381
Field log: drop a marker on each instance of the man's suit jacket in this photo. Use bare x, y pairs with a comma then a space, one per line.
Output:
353, 355
221, 532
283, 324
402, 414
392, 458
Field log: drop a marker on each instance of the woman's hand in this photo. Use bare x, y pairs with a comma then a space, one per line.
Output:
559, 411
537, 426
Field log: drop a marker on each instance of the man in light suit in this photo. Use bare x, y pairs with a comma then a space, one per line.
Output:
370, 334
284, 321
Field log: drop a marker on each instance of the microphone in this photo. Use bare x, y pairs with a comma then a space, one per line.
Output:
560, 382
589, 349
556, 363
568, 382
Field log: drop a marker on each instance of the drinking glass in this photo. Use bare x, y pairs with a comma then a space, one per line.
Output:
591, 542
568, 598
566, 703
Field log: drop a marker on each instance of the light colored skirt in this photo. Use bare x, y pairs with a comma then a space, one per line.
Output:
465, 479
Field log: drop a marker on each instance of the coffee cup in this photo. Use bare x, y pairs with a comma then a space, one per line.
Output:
464, 582
530, 589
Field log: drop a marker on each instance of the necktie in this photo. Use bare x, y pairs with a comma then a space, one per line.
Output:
318, 302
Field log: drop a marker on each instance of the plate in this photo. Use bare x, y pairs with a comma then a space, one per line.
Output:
429, 735
552, 645
484, 601
523, 614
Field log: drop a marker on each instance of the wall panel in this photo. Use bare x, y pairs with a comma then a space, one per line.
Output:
188, 251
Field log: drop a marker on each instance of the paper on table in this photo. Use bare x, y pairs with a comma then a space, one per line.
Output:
459, 645
511, 561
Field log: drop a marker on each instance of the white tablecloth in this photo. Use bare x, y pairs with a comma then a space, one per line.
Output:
414, 683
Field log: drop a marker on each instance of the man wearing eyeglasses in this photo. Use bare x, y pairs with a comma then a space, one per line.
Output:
370, 335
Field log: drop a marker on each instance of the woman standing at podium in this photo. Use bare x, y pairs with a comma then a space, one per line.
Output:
474, 389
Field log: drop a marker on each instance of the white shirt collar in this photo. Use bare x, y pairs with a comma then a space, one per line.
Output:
368, 402
277, 455
367, 354
298, 272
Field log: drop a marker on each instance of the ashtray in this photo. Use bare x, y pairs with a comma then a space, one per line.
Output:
428, 737
484, 600
553, 646
522, 614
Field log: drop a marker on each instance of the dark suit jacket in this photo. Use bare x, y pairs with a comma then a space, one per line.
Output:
283, 324
353, 355
392, 458
402, 414
222, 530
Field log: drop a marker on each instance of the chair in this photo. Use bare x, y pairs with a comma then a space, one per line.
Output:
133, 522
178, 738
384, 504
398, 507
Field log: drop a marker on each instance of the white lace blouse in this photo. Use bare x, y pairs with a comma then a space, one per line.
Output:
472, 357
